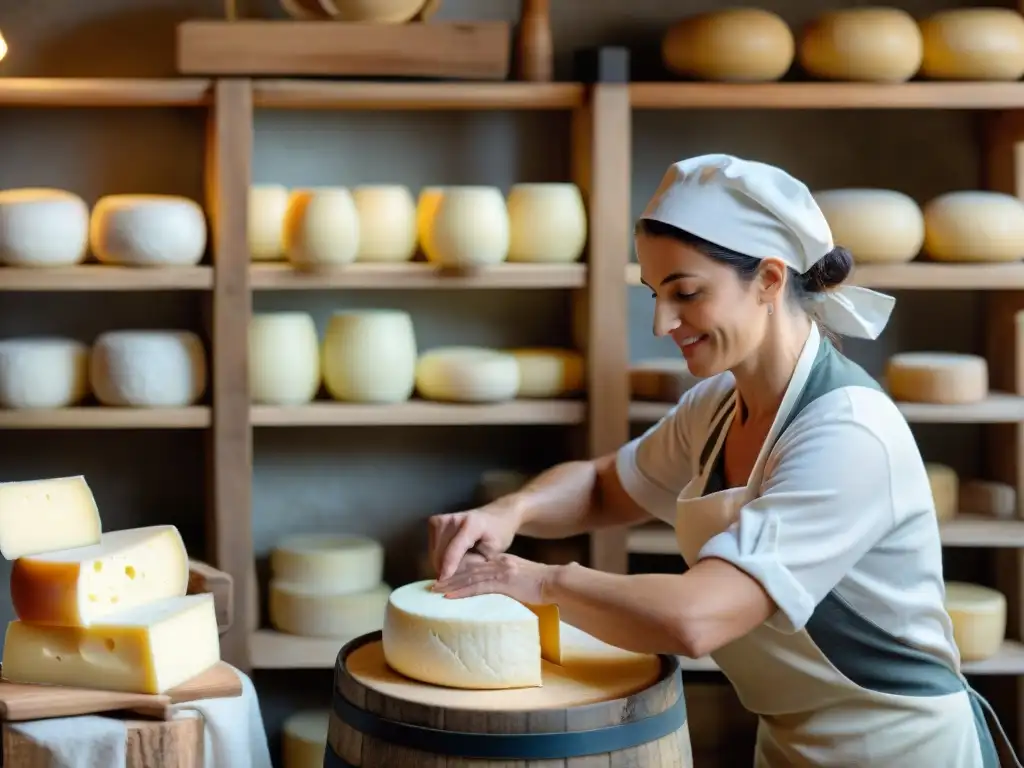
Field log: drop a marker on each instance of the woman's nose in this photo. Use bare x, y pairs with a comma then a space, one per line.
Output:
665, 320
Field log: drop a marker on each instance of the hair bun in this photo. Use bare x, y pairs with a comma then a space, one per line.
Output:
830, 271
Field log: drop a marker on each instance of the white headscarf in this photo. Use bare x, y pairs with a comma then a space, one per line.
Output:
761, 211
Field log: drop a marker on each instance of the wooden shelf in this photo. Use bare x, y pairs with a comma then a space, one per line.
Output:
419, 413
282, 277
103, 92
98, 277
270, 649
103, 417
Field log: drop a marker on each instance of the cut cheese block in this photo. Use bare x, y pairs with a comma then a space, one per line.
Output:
973, 44
990, 498
284, 358
80, 586
321, 227
42, 227
148, 369
148, 230
387, 223
548, 372
937, 377
369, 356
663, 380
343, 564
979, 619
304, 738
268, 204
149, 649
43, 372
467, 374
871, 44
470, 228
974, 227
547, 223
39, 516
426, 208
320, 611
878, 226
945, 485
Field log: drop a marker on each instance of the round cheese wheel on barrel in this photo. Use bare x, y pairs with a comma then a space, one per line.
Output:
974, 226
148, 230
148, 369
317, 610
937, 377
345, 562
369, 356
284, 358
43, 372
42, 227
321, 227
878, 226
268, 204
547, 372
979, 619
304, 738
467, 374
945, 484
548, 223
871, 44
470, 228
973, 44
387, 222
738, 44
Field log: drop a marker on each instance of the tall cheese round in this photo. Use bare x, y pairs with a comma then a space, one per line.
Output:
43, 372
943, 378
979, 619
470, 228
284, 358
973, 44
42, 227
878, 226
870, 44
547, 223
317, 610
268, 204
304, 738
148, 369
321, 228
974, 226
467, 375
347, 563
148, 231
738, 44
549, 372
387, 223
426, 208
945, 485
369, 356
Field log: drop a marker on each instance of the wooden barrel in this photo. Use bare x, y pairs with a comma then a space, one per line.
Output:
629, 710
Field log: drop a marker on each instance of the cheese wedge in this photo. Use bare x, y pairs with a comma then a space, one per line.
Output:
43, 515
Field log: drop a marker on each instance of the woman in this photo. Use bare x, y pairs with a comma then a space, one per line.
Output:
799, 497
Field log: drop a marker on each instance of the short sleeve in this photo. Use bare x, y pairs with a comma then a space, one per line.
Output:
825, 502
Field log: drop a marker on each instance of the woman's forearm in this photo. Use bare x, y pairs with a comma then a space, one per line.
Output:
560, 502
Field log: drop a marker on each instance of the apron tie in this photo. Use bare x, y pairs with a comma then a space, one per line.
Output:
986, 707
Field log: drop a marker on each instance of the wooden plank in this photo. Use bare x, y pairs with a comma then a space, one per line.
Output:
106, 417
100, 277
415, 275
205, 578
419, 413
104, 92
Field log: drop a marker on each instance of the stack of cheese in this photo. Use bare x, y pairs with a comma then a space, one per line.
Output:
98, 610
953, 497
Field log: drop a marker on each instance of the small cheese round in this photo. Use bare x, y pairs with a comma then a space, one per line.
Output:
467, 375
42, 227
148, 231
988, 497
974, 226
549, 372
470, 228
426, 209
342, 564
979, 619
387, 223
663, 380
304, 738
369, 356
43, 372
284, 358
547, 223
321, 227
877, 226
738, 44
872, 44
311, 611
945, 485
937, 377
973, 44
268, 204
148, 369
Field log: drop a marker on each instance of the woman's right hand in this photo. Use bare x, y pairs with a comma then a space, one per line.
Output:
488, 531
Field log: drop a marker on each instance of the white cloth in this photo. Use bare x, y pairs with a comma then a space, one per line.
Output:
90, 741
761, 211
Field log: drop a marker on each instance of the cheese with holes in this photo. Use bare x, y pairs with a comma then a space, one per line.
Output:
321, 611
547, 223
549, 372
321, 227
148, 369
979, 619
469, 228
872, 44
660, 379
945, 485
989, 498
43, 372
343, 563
937, 377
877, 226
974, 227
148, 231
80, 586
284, 358
148, 649
304, 738
369, 356
973, 44
387, 222
467, 374
42, 227
268, 204
39, 516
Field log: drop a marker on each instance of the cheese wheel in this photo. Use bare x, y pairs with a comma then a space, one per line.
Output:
979, 619
38, 516
990, 498
43, 372
467, 374
937, 377
373, 11
945, 485
319, 611
663, 380
547, 223
387, 223
268, 204
148, 231
974, 226
42, 227
304, 738
369, 356
496, 483
426, 209
284, 358
548, 372
872, 44
304, 9
321, 227
738, 44
347, 564
148, 369
470, 228
878, 226
973, 44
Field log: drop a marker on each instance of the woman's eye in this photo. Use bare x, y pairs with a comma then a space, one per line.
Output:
686, 296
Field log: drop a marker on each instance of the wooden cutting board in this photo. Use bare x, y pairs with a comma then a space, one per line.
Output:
20, 701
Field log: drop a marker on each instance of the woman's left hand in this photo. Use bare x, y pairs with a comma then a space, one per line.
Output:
502, 574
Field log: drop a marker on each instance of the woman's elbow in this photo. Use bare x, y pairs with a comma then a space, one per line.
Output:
686, 638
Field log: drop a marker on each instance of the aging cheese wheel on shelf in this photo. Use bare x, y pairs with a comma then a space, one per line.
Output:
974, 226
304, 738
973, 44
470, 228
738, 44
319, 611
877, 226
979, 619
870, 44
549, 372
990, 498
369, 356
39, 516
387, 223
268, 205
321, 227
945, 484
467, 374
148, 231
347, 564
663, 380
284, 358
373, 11
148, 369
43, 372
547, 223
42, 227
426, 208
937, 377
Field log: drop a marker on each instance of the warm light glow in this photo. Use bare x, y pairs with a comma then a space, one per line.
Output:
3, 47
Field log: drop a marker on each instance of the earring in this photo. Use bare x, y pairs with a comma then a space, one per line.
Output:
771, 308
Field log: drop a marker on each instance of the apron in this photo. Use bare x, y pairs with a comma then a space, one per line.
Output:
810, 713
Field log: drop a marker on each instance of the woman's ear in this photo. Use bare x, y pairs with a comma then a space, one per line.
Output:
771, 280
